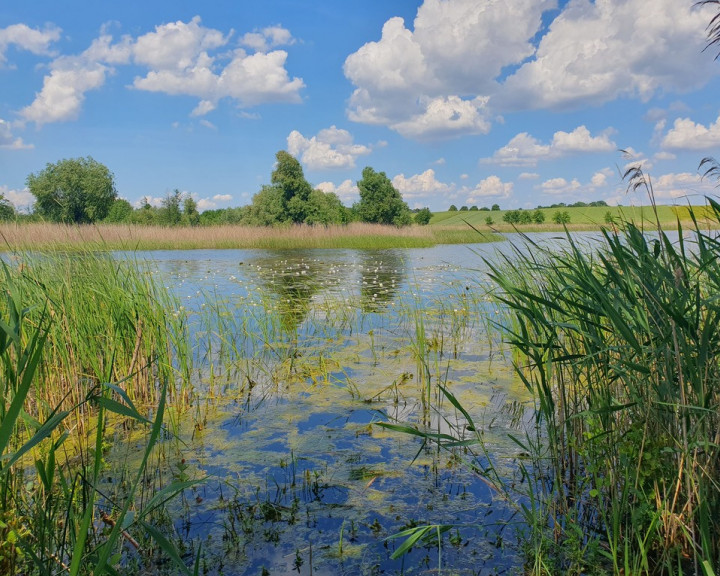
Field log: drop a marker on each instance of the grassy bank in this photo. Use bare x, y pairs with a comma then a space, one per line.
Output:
46, 236
587, 218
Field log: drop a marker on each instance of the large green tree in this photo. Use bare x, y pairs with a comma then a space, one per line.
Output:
73, 190
291, 199
380, 202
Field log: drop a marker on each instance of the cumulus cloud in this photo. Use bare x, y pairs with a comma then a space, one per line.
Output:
490, 187
347, 190
687, 135
465, 50
410, 79
23, 37
595, 52
210, 203
674, 186
268, 38
571, 189
180, 60
331, 148
525, 150
21, 199
7, 140
446, 117
423, 185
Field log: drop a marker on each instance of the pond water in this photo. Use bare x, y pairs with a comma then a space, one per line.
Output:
297, 358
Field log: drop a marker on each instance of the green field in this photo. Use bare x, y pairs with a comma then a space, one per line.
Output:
580, 218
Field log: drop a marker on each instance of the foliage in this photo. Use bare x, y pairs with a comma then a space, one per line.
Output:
495, 207
77, 190
620, 346
170, 213
452, 208
380, 202
120, 211
423, 216
561, 217
538, 216
291, 199
54, 518
7, 210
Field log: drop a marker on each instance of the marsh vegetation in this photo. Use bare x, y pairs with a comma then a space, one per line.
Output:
548, 405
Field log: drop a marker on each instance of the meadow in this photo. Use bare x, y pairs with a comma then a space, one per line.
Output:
581, 218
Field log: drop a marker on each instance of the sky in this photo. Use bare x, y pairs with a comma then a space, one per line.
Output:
468, 102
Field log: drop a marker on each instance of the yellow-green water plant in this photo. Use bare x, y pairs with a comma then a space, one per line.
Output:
620, 345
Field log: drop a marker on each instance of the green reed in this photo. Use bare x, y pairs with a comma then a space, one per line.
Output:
54, 516
620, 345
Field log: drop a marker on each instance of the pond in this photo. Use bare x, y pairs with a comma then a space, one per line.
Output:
298, 356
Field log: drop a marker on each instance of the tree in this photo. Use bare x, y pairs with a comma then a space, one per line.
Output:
538, 216
489, 221
561, 217
170, 212
76, 190
452, 208
423, 217
495, 207
288, 176
191, 215
7, 210
120, 211
380, 202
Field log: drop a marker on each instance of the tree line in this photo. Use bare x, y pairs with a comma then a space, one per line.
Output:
82, 191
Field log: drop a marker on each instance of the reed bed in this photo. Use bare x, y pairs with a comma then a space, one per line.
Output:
59, 237
84, 340
620, 346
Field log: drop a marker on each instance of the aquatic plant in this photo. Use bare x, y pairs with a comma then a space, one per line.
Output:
620, 345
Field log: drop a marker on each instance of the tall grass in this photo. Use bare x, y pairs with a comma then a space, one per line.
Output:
620, 346
48, 236
111, 321
54, 516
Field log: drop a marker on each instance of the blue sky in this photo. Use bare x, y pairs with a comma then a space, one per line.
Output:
465, 102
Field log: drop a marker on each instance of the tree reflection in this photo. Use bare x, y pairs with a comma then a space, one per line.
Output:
381, 273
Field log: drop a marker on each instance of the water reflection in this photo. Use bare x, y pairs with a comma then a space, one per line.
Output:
381, 274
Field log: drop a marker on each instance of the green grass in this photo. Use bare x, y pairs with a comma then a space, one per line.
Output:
621, 349
69, 325
589, 218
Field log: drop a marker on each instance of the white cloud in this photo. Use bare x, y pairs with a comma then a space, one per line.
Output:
21, 199
490, 187
687, 135
423, 185
675, 186
63, 91
347, 190
595, 52
331, 148
439, 162
25, 38
525, 150
178, 56
560, 186
460, 50
664, 156
179, 59
267, 38
529, 176
222, 197
7, 140
410, 79
446, 117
